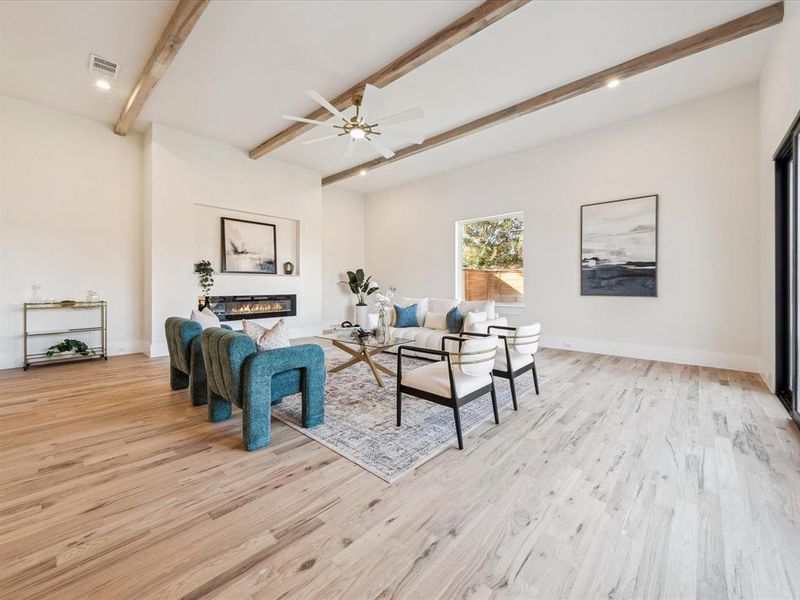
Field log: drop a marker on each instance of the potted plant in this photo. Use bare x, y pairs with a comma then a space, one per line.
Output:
76, 346
362, 287
205, 278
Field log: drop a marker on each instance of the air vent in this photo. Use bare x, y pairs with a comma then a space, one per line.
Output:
101, 65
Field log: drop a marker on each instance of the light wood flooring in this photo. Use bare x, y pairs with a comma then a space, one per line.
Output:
624, 479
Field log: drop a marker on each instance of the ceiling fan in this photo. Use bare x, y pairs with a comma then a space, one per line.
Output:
360, 126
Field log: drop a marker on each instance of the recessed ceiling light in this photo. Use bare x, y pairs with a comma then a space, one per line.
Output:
362, 172
612, 83
103, 84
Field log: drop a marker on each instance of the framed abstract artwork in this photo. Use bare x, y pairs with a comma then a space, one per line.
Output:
619, 247
248, 247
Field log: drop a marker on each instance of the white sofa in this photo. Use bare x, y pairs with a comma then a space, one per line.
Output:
430, 313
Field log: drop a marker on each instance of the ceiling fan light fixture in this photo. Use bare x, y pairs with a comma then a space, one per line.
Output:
357, 133
359, 126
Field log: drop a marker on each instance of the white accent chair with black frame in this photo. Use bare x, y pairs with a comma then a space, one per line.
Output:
518, 350
454, 380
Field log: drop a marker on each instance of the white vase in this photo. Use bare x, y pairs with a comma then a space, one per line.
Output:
361, 316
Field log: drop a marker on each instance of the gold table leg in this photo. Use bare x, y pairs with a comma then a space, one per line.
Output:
364, 355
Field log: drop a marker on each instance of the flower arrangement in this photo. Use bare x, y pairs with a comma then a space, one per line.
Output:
384, 302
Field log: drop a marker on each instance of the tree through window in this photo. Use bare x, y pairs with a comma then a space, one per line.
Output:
491, 259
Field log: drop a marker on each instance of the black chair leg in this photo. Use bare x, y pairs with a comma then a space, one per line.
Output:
457, 417
535, 377
494, 406
513, 389
399, 405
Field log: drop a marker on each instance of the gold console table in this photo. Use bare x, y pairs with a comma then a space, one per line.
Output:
37, 358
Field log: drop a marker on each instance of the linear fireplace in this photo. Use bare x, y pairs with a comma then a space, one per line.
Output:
235, 308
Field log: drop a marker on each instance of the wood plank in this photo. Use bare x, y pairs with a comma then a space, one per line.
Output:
729, 31
625, 478
456, 32
172, 38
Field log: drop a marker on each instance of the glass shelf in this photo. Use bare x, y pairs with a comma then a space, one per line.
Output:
78, 304
73, 330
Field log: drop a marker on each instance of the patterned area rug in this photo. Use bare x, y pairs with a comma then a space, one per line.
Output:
360, 417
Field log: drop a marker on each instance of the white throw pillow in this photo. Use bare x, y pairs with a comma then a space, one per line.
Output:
441, 305
477, 306
266, 338
205, 317
483, 326
471, 320
436, 320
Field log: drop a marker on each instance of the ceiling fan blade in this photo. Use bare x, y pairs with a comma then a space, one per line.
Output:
368, 100
351, 148
411, 114
304, 120
321, 139
387, 153
417, 138
317, 97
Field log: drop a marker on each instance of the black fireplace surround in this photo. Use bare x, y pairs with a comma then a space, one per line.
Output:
236, 308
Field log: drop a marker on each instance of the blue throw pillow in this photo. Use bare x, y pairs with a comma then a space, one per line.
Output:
405, 317
454, 320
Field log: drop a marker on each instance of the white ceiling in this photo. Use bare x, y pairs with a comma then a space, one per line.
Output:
45, 47
248, 62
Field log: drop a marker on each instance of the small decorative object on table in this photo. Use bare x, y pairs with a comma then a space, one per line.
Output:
384, 304
362, 286
361, 333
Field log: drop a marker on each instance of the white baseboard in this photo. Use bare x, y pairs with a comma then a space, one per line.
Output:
684, 356
130, 347
767, 375
158, 349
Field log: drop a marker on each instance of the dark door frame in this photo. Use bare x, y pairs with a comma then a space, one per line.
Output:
787, 379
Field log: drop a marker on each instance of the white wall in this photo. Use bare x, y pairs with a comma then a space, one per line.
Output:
700, 157
343, 249
779, 94
190, 174
70, 219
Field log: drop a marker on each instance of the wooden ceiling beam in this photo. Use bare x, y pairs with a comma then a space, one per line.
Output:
172, 38
731, 30
456, 32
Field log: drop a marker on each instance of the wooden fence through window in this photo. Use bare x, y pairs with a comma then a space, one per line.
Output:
505, 287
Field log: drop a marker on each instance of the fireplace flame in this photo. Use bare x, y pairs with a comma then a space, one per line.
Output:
258, 308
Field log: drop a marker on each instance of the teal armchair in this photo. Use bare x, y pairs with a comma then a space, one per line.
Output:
239, 374
186, 367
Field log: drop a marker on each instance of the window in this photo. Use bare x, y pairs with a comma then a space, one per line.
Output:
490, 259
787, 307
